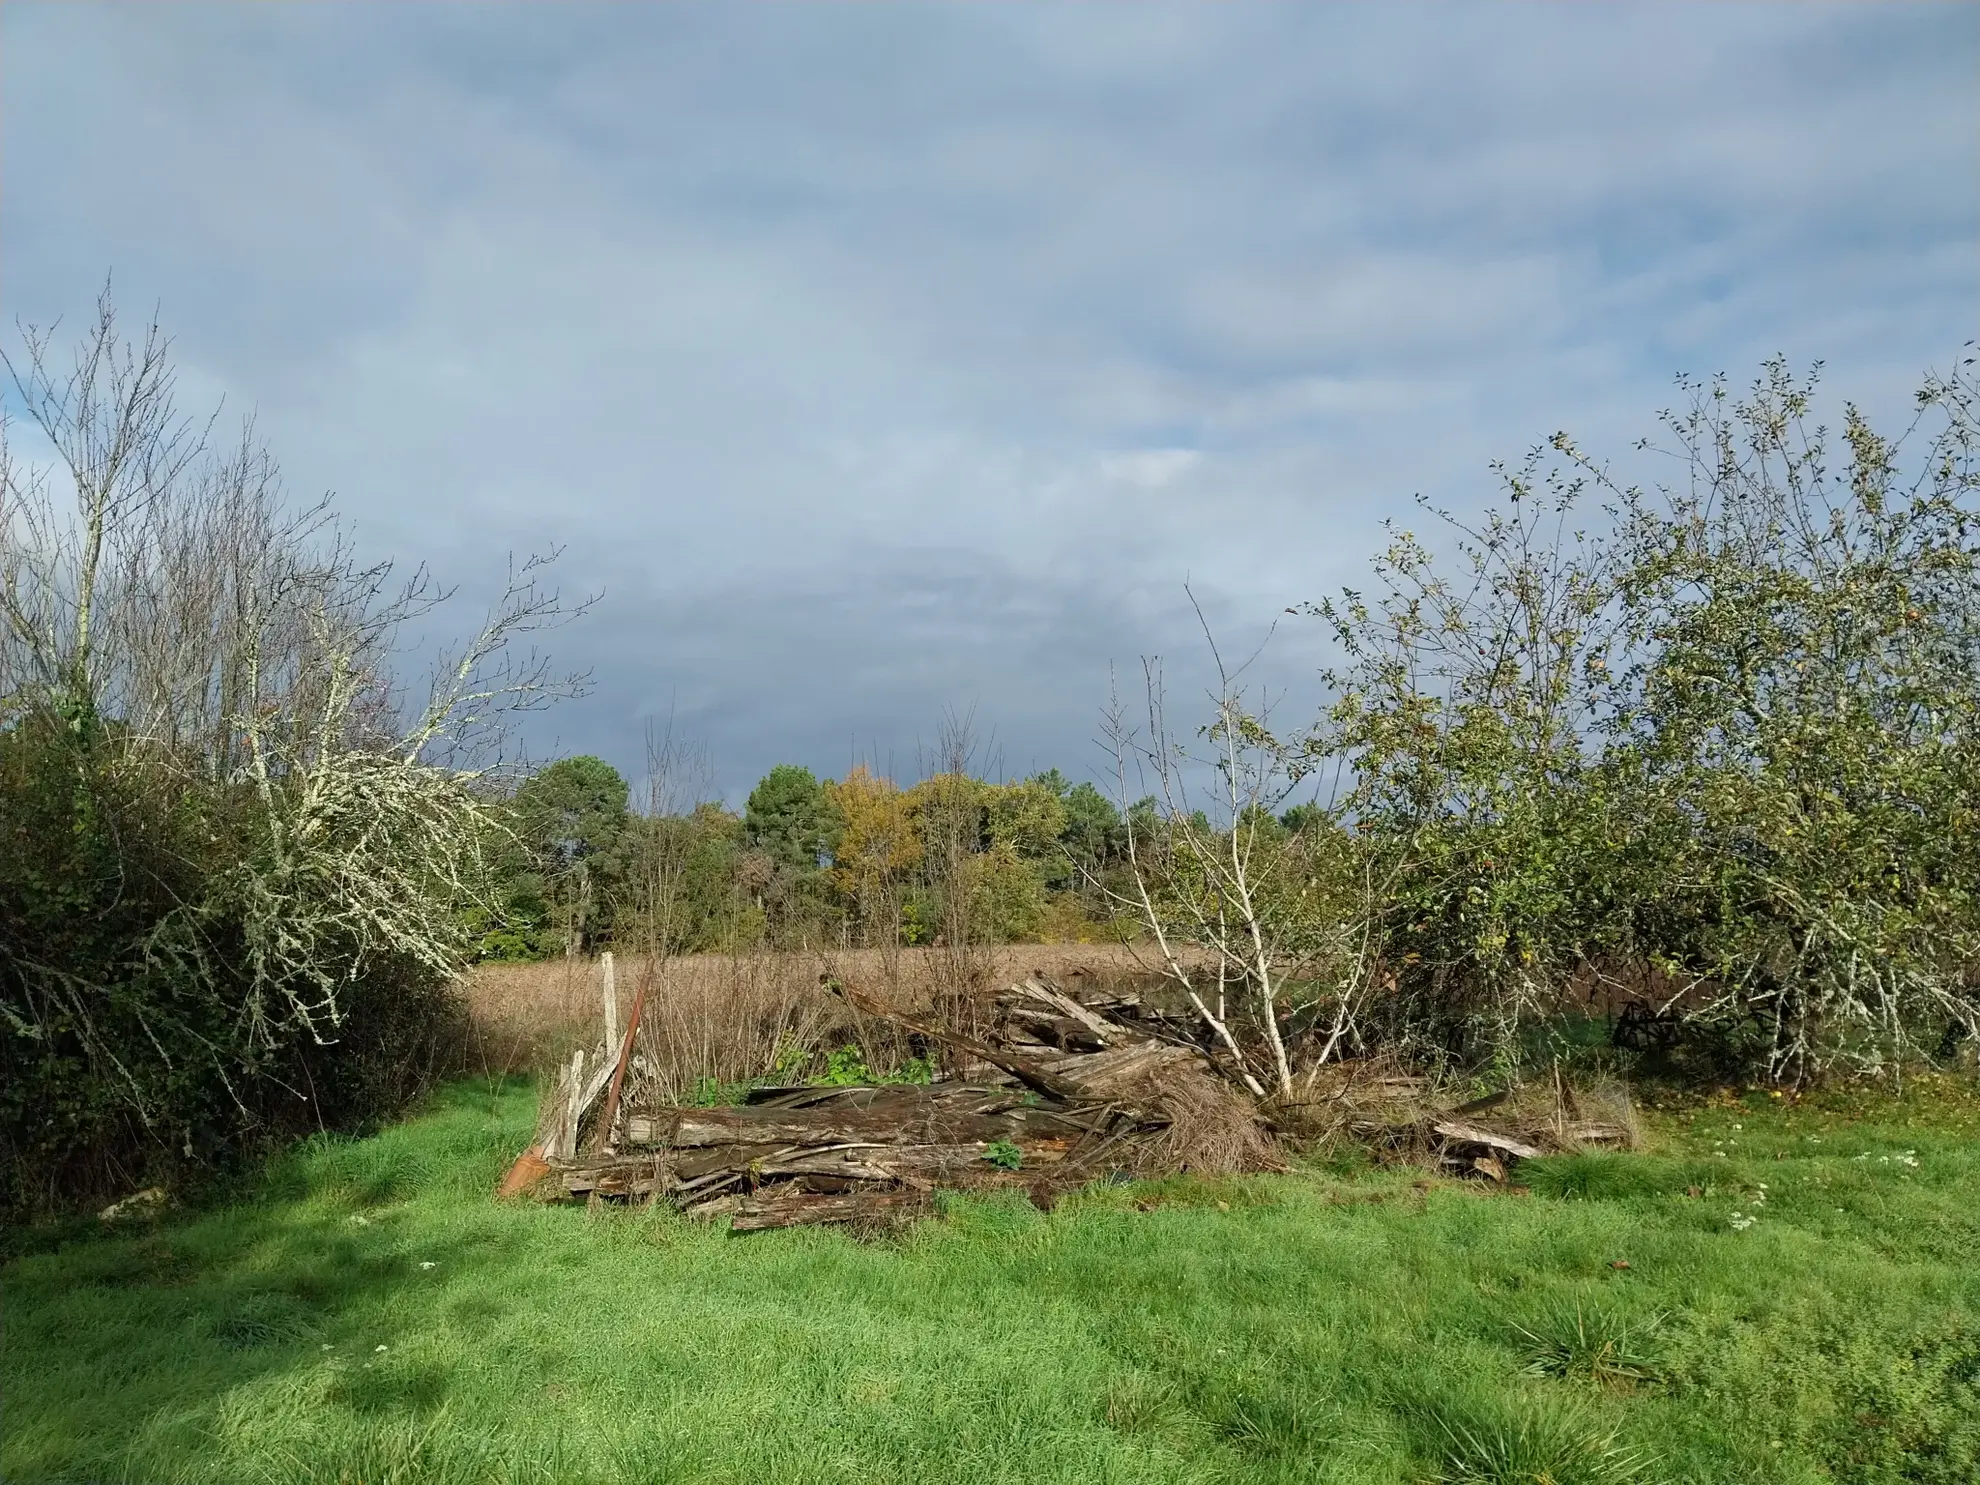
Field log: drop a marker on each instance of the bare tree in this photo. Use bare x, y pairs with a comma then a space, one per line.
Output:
119, 444
952, 827
679, 777
1233, 901
189, 630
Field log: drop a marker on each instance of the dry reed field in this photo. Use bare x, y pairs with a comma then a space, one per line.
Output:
732, 1016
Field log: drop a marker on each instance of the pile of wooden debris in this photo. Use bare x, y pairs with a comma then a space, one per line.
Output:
1404, 1117
1059, 1090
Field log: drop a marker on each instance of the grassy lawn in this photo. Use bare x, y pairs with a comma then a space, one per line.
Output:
373, 1316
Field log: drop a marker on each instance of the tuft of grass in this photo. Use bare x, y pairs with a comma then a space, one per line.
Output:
1531, 1441
264, 1319
1592, 1341
1604, 1176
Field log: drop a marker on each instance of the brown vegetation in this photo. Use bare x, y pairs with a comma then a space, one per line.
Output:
726, 1016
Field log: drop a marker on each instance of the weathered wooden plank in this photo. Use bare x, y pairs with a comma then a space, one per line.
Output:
796, 1208
1046, 1031
908, 1163
893, 1116
705, 1127
958, 1114
643, 1129
1455, 1133
566, 1136
1107, 1032
618, 1177
550, 1117
779, 1095
1104, 1073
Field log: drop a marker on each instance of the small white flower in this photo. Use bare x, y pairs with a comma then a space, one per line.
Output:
377, 1349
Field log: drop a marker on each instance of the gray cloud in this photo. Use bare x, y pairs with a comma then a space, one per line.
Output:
880, 359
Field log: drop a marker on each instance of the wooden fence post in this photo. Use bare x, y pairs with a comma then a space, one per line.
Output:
611, 995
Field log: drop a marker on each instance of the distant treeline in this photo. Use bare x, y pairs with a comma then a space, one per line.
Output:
810, 862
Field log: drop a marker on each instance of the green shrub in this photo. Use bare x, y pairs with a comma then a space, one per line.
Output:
1719, 747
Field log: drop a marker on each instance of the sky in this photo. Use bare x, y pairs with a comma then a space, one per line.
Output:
878, 361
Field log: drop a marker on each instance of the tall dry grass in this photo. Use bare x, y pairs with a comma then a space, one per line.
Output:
730, 1017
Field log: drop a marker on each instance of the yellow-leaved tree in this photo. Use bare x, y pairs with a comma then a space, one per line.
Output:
879, 845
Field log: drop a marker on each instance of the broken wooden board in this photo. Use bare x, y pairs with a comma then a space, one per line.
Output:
937, 1113
1455, 1134
575, 1093
800, 1208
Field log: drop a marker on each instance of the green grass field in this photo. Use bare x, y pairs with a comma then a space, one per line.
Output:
371, 1315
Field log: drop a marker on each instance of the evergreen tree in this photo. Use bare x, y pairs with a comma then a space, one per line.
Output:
790, 819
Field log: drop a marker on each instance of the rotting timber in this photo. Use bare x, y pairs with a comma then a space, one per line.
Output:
1056, 1092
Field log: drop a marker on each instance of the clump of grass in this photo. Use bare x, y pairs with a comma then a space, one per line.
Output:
1595, 1177
434, 1450
1531, 1441
1141, 1403
264, 1318
1592, 1342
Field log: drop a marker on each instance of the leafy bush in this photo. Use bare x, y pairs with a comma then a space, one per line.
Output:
1724, 748
1704, 753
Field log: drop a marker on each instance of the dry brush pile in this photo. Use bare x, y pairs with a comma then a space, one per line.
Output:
1057, 1089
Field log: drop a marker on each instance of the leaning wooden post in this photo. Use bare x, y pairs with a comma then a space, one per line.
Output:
611, 1115
610, 989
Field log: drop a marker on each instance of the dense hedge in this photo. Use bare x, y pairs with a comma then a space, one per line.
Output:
238, 867
131, 1049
